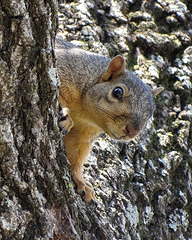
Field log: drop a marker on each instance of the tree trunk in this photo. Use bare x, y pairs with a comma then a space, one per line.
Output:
34, 171
143, 187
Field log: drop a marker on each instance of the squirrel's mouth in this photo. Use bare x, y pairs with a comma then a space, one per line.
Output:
118, 138
126, 135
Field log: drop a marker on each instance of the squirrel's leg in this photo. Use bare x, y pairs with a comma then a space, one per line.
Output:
83, 188
78, 145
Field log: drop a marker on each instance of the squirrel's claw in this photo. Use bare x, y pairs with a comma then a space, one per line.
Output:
65, 121
94, 202
83, 193
89, 195
64, 131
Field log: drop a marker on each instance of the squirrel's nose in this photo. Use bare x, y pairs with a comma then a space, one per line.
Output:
130, 131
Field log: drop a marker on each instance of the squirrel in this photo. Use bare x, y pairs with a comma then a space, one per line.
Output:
97, 94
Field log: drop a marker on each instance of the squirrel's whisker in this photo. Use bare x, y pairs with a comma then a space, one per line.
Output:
107, 113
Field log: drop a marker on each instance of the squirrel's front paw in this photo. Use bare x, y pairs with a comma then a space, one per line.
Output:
65, 121
85, 189
87, 192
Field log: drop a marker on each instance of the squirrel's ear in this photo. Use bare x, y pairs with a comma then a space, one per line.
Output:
115, 68
156, 91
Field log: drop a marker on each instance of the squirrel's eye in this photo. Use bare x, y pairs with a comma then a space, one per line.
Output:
118, 93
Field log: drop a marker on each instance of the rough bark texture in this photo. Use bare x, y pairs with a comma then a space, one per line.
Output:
33, 163
144, 187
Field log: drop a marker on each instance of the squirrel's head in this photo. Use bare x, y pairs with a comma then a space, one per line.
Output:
120, 103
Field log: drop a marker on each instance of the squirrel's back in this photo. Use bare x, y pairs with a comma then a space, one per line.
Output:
76, 64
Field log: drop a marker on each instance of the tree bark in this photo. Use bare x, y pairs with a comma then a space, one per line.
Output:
34, 170
143, 188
